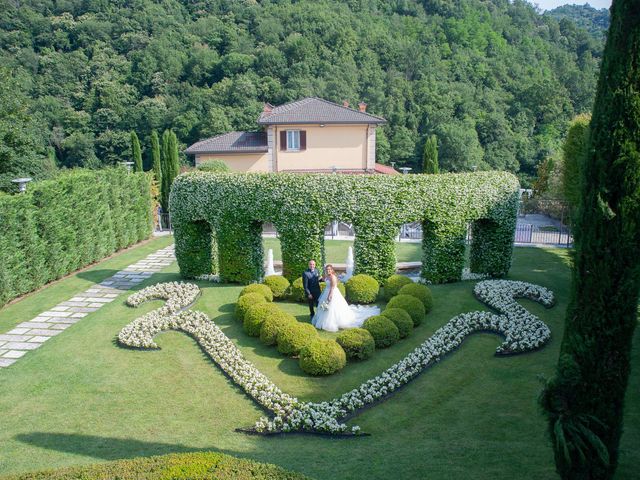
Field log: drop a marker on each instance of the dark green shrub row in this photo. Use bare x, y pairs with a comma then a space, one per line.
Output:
62, 225
203, 466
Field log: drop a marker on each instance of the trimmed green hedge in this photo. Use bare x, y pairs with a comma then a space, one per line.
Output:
201, 465
256, 315
421, 292
272, 325
245, 302
411, 305
393, 284
322, 357
260, 288
62, 225
401, 319
357, 343
384, 331
362, 288
236, 205
279, 286
293, 337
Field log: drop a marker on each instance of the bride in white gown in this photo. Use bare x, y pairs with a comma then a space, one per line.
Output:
334, 313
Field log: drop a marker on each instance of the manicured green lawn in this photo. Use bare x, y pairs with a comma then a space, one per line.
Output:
81, 399
337, 250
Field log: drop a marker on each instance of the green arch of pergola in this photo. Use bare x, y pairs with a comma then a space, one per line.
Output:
217, 220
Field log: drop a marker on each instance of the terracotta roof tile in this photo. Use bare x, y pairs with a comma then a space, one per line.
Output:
314, 110
232, 142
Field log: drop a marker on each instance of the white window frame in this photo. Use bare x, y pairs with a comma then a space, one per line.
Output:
293, 140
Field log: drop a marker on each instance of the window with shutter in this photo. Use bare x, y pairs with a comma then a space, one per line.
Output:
303, 139
293, 140
283, 139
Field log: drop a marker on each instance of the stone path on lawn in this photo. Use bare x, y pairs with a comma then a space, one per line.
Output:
30, 335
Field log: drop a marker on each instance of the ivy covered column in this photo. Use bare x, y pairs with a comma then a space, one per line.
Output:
196, 249
241, 256
443, 246
491, 247
374, 250
300, 242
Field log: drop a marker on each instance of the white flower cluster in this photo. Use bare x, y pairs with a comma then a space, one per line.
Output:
467, 274
209, 278
141, 331
522, 330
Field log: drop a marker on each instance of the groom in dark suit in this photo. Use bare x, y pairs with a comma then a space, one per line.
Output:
311, 284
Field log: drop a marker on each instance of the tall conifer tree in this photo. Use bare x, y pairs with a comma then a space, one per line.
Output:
155, 157
430, 156
170, 166
584, 401
136, 152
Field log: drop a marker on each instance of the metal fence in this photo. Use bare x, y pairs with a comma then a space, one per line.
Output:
163, 222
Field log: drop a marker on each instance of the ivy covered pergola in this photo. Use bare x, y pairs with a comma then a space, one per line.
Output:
218, 217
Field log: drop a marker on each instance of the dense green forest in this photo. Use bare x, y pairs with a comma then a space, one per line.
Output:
494, 80
595, 21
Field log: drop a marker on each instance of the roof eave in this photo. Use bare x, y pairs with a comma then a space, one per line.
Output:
225, 151
329, 122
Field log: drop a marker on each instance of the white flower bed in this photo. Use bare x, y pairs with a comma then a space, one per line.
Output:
523, 332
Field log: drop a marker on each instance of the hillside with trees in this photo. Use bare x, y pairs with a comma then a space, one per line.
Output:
493, 80
595, 21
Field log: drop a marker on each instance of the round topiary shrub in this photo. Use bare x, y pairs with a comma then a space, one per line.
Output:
322, 357
263, 290
278, 284
246, 301
384, 331
296, 293
293, 337
409, 304
341, 288
393, 284
421, 292
357, 343
255, 316
362, 288
401, 319
272, 324
216, 166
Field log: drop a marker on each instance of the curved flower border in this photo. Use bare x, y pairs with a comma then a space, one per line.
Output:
522, 330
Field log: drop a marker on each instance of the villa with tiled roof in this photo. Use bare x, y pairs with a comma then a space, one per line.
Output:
308, 135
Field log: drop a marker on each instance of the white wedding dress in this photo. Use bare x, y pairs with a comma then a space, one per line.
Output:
340, 314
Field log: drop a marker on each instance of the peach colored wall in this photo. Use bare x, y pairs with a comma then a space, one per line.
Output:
342, 146
239, 162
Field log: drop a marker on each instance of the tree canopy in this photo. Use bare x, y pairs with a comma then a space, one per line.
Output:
494, 80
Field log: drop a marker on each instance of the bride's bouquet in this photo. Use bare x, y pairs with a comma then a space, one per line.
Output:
324, 305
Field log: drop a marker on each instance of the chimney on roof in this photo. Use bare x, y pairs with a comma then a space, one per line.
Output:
268, 108
362, 107
345, 103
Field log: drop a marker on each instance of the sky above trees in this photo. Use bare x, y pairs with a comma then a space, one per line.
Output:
548, 4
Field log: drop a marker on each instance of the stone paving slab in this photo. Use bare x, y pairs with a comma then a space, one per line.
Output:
30, 335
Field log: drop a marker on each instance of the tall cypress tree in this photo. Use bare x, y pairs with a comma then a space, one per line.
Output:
574, 153
155, 157
430, 156
584, 401
165, 186
136, 153
170, 166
